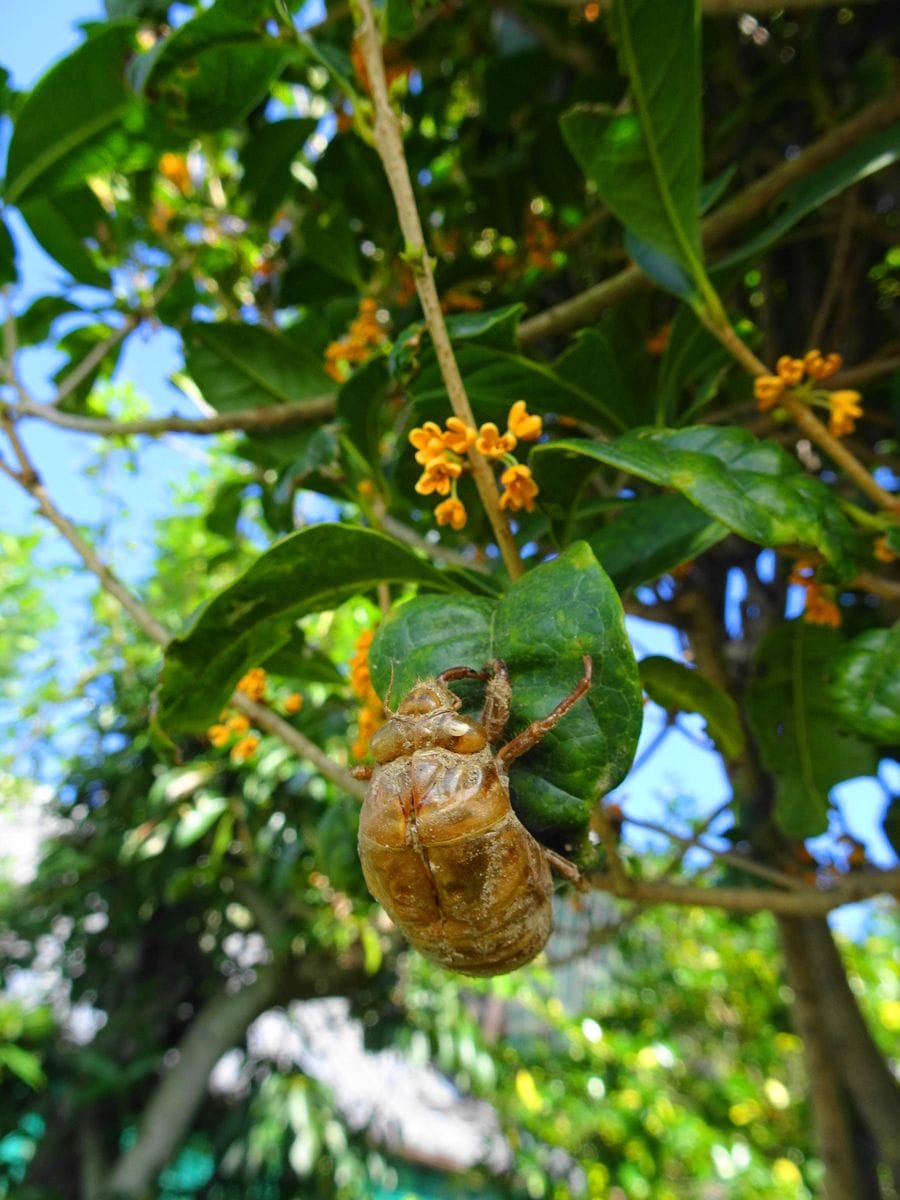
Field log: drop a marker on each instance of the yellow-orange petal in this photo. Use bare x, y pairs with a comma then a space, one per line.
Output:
524, 425
790, 369
451, 512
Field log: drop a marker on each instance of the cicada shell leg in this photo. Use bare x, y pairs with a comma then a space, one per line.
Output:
563, 867
497, 697
363, 771
531, 735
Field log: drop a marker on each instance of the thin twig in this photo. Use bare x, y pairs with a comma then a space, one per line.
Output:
389, 144
266, 719
80, 372
812, 902
276, 416
838, 269
770, 874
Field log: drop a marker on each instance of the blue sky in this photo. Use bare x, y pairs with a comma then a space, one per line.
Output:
35, 35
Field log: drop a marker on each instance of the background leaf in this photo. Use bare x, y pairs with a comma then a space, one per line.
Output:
679, 688
865, 686
800, 736
72, 123
309, 571
752, 486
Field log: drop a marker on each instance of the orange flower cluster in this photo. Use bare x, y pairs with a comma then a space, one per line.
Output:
540, 242
442, 452
459, 301
357, 344
253, 685
371, 714
883, 551
820, 609
174, 168
845, 407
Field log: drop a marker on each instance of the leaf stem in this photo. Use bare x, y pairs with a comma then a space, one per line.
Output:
389, 144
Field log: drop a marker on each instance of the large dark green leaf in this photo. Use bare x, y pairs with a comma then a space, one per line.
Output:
797, 728
72, 124
541, 628
211, 72
267, 157
872, 154
649, 537
590, 364
494, 379
866, 685
313, 570
646, 164
330, 244
752, 486
678, 688
61, 224
360, 404
8, 269
246, 366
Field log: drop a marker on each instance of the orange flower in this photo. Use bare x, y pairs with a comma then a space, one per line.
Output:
369, 720
360, 678
819, 366
490, 443
459, 436
238, 723
218, 735
253, 684
768, 390
790, 369
457, 301
520, 489
657, 342
293, 703
522, 424
846, 407
246, 747
451, 512
803, 571
819, 609
174, 168
882, 550
438, 475
428, 440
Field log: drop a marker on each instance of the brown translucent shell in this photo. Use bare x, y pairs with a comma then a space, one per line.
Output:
442, 849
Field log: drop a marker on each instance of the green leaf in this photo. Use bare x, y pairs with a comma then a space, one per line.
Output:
330, 244
360, 404
337, 857
494, 379
203, 813
647, 164
869, 156
211, 71
9, 272
649, 537
313, 570
678, 688
797, 729
865, 688
35, 323
246, 366
753, 487
267, 157
73, 123
58, 224
691, 356
590, 364
23, 1063
541, 628
399, 18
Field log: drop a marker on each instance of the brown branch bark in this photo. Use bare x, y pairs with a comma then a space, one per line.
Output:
813, 901
860, 1064
278, 416
831, 1116
389, 144
172, 1107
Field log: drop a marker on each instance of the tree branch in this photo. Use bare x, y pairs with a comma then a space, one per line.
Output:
811, 902
389, 144
715, 228
172, 1107
277, 416
831, 1118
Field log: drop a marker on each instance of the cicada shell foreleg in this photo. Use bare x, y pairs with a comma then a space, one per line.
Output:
532, 734
563, 867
